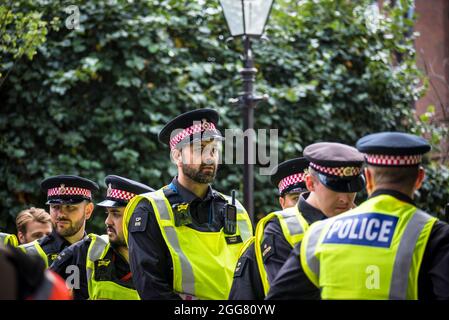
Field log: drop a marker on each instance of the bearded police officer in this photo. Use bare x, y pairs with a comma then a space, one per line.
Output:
334, 177
103, 260
70, 200
386, 248
184, 239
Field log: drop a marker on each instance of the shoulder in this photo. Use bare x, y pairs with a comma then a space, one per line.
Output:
46, 240
440, 232
139, 217
319, 225
224, 197
273, 227
73, 252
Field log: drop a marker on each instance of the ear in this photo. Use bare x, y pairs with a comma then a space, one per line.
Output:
369, 179
88, 209
176, 157
21, 237
281, 202
420, 178
310, 182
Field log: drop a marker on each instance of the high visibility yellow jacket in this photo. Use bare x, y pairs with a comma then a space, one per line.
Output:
293, 226
103, 289
371, 252
203, 262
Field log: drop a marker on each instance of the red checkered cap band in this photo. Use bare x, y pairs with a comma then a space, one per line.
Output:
337, 171
69, 191
290, 180
196, 128
390, 160
120, 194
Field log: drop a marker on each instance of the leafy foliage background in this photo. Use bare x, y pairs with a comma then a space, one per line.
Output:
92, 100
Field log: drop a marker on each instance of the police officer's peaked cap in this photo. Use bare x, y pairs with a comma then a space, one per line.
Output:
191, 126
393, 149
121, 190
289, 176
68, 189
338, 166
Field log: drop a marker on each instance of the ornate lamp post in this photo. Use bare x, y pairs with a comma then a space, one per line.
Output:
247, 19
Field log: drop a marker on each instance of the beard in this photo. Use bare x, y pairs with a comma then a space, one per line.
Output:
71, 228
117, 242
115, 239
198, 175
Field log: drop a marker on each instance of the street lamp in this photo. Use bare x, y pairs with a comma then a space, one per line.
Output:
247, 19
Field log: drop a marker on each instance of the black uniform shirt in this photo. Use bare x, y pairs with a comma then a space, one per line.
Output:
52, 245
149, 257
76, 254
433, 277
247, 284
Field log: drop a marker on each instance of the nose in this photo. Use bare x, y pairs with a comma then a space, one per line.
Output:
208, 158
345, 198
108, 221
59, 213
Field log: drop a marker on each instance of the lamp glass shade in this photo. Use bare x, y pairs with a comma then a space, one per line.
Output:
246, 17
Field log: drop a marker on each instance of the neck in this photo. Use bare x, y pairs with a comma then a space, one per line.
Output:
123, 251
314, 202
76, 237
198, 189
401, 189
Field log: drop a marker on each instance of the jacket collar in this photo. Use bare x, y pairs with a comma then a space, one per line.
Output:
309, 212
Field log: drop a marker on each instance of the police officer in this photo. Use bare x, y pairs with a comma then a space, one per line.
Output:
334, 177
9, 239
103, 260
184, 239
289, 178
386, 248
70, 200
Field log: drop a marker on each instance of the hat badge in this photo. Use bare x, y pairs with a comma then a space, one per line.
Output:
62, 189
109, 191
347, 171
205, 124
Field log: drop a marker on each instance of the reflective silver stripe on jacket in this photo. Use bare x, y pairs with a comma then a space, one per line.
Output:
404, 255
160, 204
30, 248
244, 229
95, 251
188, 280
293, 224
312, 261
97, 248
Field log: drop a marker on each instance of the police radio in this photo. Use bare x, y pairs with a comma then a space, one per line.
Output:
230, 217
